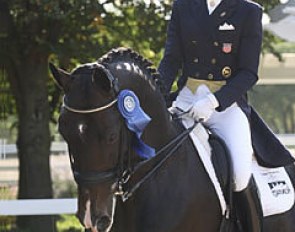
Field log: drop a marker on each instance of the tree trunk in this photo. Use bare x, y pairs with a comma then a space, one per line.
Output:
34, 140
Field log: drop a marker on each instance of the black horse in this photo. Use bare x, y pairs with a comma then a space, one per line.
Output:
118, 189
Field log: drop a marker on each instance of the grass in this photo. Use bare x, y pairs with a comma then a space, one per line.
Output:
6, 223
64, 223
68, 223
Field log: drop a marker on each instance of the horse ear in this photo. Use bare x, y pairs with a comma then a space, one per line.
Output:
61, 77
102, 78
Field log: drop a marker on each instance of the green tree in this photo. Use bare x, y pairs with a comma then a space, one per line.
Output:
32, 33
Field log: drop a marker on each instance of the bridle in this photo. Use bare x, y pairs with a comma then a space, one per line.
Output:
121, 175
91, 178
94, 110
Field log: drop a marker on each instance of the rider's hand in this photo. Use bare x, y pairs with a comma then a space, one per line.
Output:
203, 108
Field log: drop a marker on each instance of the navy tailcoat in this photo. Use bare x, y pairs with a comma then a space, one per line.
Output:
223, 46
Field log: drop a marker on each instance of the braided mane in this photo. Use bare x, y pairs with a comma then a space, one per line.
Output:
122, 54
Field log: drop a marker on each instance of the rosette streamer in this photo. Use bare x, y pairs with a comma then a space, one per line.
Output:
136, 120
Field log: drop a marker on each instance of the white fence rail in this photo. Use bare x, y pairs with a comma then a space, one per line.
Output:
61, 147
38, 207
9, 149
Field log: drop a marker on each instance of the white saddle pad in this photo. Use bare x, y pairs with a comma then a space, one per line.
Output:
200, 137
276, 189
274, 184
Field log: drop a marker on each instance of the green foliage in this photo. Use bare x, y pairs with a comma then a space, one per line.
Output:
276, 104
269, 42
64, 223
6, 101
64, 188
285, 47
6, 223
140, 26
70, 32
268, 4
68, 223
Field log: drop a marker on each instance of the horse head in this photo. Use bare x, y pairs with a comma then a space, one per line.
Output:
99, 142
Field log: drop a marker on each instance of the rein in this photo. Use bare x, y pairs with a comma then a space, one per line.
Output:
174, 143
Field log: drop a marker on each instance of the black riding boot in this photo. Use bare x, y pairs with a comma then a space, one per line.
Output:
249, 209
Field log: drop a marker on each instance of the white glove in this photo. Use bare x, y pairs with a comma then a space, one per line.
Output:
203, 108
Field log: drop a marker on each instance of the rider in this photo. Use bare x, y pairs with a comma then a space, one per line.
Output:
216, 44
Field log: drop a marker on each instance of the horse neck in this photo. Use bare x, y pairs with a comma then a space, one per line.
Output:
176, 171
161, 129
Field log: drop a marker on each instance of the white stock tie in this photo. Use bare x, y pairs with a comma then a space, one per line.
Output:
212, 3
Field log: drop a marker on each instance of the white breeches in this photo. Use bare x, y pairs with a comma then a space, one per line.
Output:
233, 127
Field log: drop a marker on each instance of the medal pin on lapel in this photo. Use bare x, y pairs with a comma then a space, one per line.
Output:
227, 47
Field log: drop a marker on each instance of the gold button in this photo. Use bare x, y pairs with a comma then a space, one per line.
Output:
215, 43
223, 14
196, 60
210, 76
213, 61
226, 72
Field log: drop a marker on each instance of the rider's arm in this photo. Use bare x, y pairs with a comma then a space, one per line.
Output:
172, 60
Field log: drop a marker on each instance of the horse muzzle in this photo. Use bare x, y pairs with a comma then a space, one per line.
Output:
94, 221
102, 224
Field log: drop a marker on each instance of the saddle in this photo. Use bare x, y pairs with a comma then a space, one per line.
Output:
274, 185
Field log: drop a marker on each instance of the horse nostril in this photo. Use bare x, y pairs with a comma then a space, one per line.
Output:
103, 223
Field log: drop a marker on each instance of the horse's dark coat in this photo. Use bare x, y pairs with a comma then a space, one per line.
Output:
179, 196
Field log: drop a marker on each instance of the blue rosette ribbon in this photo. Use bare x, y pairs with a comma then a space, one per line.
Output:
136, 120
